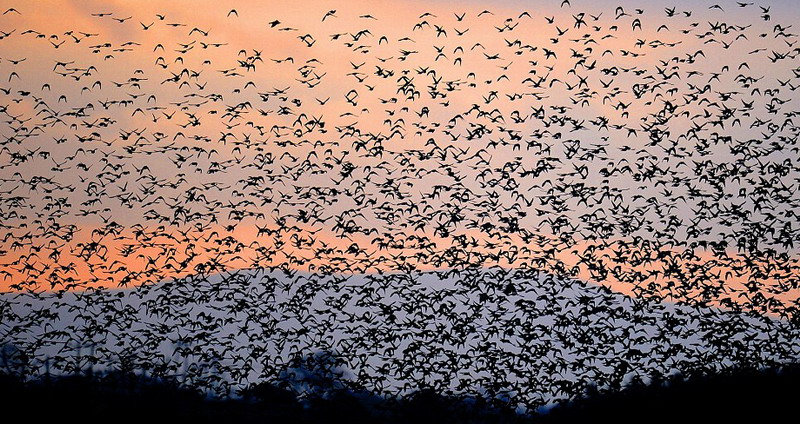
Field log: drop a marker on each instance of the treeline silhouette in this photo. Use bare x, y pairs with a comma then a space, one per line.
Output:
312, 390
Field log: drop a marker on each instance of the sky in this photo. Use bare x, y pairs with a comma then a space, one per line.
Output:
183, 138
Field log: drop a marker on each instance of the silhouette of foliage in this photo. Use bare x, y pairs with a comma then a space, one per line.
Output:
748, 395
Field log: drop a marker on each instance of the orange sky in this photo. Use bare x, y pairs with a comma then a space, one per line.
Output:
194, 86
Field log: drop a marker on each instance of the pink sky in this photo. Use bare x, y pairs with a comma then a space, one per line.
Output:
484, 67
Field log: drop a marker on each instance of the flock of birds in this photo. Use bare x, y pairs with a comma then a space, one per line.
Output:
524, 205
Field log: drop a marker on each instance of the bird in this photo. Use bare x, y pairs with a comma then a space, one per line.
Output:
328, 14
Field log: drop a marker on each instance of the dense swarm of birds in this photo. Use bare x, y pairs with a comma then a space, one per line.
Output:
523, 205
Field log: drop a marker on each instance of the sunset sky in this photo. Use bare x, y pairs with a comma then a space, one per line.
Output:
181, 139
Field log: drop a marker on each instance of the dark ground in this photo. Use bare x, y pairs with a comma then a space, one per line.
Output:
741, 396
